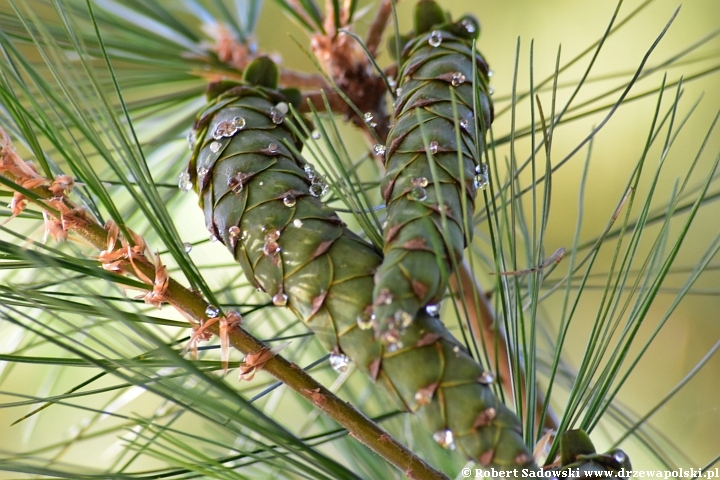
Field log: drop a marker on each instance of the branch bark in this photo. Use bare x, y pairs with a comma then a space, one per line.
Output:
193, 306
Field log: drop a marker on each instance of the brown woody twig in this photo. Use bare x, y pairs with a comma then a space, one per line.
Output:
66, 216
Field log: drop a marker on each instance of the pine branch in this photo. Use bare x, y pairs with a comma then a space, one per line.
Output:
66, 217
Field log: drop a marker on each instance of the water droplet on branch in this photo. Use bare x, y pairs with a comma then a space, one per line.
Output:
212, 311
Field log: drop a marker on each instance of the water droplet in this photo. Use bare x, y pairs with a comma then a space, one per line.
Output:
368, 117
213, 238
297, 223
486, 378
283, 108
445, 439
434, 147
486, 417
215, 147
184, 183
272, 148
403, 319
279, 299
465, 125
276, 116
457, 79
419, 182
271, 248
423, 396
365, 321
289, 200
187, 247
385, 296
272, 234
228, 128
191, 139
212, 311
468, 25
234, 231
237, 182
456, 349
399, 91
316, 134
379, 149
491, 91
619, 457
490, 73
319, 188
482, 178
239, 122
202, 171
391, 338
310, 171
392, 82
433, 309
418, 193
339, 362
435, 38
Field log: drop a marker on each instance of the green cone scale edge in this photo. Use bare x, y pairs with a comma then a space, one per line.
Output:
428, 170
264, 203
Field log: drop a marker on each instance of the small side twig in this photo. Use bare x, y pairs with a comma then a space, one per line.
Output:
377, 28
75, 220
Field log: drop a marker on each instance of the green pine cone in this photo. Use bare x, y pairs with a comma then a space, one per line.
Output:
579, 458
262, 202
428, 219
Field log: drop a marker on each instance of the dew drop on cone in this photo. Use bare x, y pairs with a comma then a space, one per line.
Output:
445, 439
184, 183
435, 38
339, 362
279, 299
